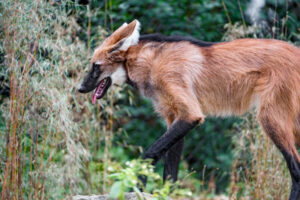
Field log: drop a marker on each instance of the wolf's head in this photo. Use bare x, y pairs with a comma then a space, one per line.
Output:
107, 64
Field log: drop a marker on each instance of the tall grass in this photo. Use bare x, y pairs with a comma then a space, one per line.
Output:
259, 170
49, 128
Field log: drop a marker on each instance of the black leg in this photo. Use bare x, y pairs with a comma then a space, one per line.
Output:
172, 160
295, 192
280, 136
294, 168
174, 134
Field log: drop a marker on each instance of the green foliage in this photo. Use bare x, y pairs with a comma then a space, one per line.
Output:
126, 179
202, 19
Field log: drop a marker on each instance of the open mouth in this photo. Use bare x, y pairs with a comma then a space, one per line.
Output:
101, 89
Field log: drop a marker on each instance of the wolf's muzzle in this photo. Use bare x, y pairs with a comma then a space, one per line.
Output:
90, 81
82, 89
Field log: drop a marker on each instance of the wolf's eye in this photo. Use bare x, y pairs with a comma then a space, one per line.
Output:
96, 65
96, 70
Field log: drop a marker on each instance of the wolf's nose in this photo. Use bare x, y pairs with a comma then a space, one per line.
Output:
81, 89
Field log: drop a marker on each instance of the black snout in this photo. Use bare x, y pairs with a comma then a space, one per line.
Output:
90, 81
82, 89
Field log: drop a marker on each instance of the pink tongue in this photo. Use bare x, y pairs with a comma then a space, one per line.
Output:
94, 98
97, 92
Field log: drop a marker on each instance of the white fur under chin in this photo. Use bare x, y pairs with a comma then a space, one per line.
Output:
133, 39
119, 76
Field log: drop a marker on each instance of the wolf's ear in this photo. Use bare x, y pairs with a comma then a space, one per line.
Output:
126, 36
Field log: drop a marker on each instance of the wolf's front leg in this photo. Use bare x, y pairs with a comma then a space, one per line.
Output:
174, 134
172, 161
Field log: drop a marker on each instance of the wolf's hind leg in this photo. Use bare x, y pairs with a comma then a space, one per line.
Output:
280, 129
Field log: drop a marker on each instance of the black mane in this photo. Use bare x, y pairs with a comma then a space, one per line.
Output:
176, 38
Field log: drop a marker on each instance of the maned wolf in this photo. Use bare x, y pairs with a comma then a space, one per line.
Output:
188, 79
